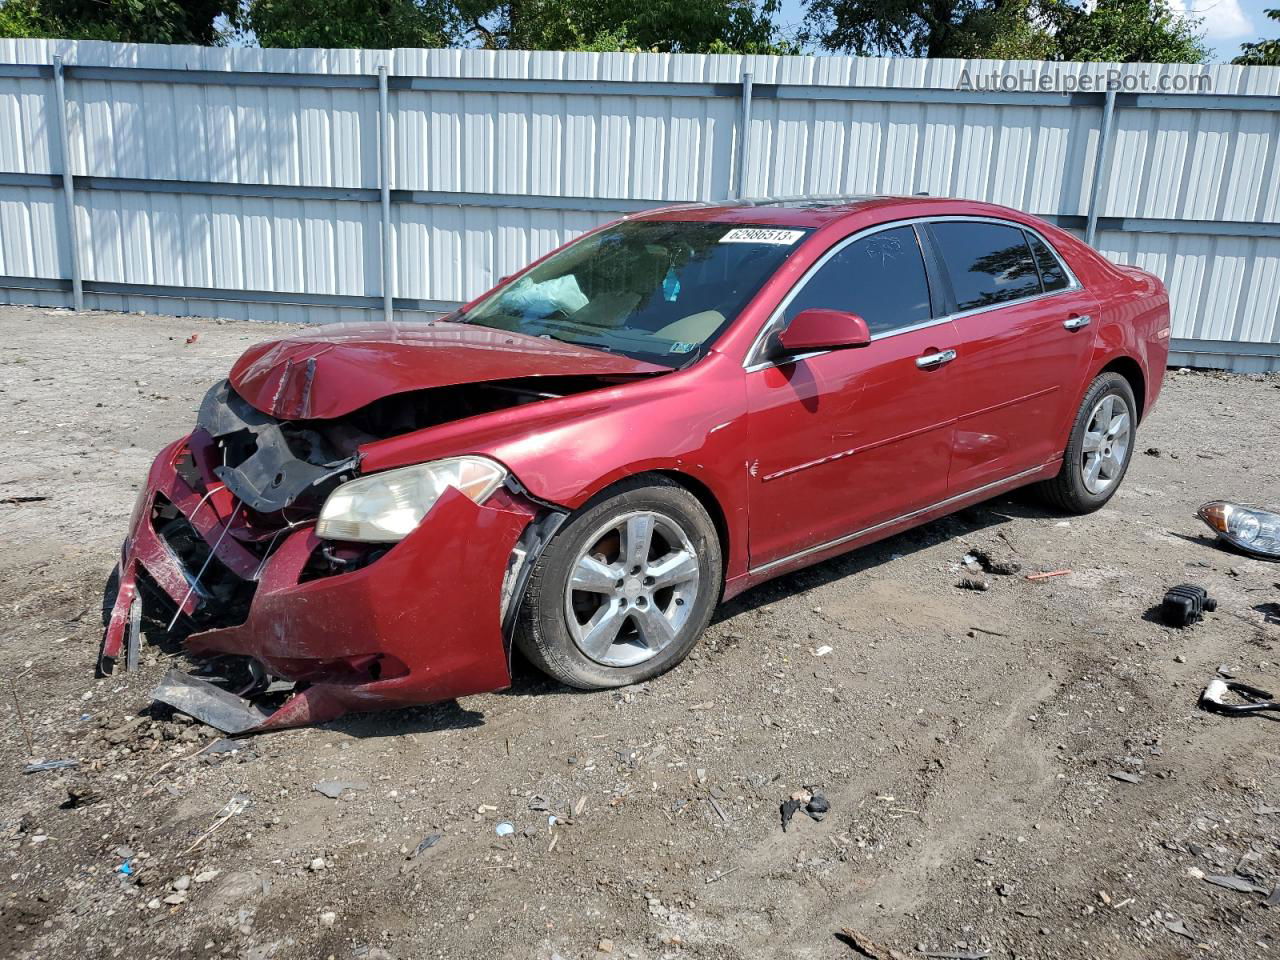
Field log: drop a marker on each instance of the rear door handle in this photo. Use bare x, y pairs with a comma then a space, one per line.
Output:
931, 360
1075, 323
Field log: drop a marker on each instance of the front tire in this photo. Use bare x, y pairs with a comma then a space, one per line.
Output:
1100, 447
625, 589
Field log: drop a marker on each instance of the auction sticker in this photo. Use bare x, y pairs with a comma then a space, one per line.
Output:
784, 238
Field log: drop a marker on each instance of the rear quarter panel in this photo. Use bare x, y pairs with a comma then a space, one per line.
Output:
1132, 315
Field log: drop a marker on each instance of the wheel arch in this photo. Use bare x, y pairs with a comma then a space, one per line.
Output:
1131, 370
700, 491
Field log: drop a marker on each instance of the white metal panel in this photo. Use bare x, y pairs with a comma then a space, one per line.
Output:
29, 233
235, 243
1189, 166
455, 253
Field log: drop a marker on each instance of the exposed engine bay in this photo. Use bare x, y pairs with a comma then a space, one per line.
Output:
273, 465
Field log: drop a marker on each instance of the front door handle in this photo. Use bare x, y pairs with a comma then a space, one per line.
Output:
1075, 323
931, 360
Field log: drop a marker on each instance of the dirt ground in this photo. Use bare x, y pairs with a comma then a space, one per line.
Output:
968, 742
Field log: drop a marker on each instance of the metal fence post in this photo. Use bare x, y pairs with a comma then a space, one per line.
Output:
68, 184
384, 150
744, 154
1100, 167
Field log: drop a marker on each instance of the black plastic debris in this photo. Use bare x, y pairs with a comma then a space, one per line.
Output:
1255, 699
814, 805
992, 564
1186, 603
817, 808
789, 809
973, 583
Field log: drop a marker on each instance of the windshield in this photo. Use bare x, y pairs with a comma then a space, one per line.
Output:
655, 290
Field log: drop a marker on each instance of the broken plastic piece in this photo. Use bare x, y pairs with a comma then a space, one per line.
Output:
1214, 699
817, 808
231, 714
429, 841
334, 789
50, 765
1184, 604
789, 808
207, 703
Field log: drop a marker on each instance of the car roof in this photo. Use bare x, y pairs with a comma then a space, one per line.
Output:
815, 210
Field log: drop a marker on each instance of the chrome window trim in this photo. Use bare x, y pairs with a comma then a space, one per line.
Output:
754, 363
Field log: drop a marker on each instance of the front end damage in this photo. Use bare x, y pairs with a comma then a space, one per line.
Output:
222, 551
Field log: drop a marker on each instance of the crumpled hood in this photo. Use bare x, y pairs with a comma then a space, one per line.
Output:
335, 369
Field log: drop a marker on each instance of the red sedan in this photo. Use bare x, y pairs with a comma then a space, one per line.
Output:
657, 416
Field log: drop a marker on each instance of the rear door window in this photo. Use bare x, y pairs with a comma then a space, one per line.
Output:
1052, 275
988, 263
880, 277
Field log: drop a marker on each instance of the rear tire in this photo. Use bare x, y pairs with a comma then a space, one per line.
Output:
1099, 450
639, 572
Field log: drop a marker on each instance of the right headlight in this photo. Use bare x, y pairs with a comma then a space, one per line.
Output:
1245, 528
386, 507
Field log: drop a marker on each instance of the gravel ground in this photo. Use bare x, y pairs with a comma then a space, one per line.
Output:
968, 742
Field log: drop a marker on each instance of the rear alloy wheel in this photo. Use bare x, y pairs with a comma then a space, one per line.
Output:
1105, 447
1100, 447
624, 590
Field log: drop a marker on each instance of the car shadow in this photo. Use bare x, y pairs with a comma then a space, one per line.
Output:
958, 526
431, 718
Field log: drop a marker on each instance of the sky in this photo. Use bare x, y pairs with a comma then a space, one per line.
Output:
1227, 23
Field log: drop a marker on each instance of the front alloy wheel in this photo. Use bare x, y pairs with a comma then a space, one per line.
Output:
625, 588
632, 589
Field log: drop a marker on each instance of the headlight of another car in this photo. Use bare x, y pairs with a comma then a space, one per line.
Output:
386, 507
1245, 528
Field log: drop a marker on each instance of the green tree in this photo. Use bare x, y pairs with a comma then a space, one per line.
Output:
904, 28
347, 23
22, 18
1264, 53
1010, 30
126, 21
682, 26
690, 26
1110, 30
1127, 31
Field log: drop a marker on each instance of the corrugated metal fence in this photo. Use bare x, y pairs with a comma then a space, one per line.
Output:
320, 184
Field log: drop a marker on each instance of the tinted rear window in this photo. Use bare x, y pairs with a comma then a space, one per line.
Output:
881, 278
988, 263
1051, 272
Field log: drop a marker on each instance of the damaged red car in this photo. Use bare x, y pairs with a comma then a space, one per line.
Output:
585, 461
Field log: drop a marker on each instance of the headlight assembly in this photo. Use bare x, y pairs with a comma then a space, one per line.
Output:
1245, 528
386, 507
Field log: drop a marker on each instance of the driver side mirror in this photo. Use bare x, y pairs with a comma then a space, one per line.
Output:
820, 329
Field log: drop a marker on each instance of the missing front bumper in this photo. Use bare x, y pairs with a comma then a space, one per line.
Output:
421, 624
